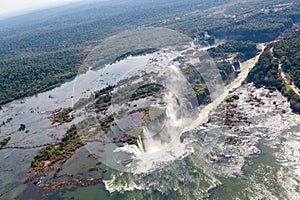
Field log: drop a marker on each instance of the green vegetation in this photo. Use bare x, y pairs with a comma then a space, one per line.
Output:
198, 84
9, 120
184, 135
231, 54
241, 50
132, 92
287, 51
62, 115
231, 98
105, 123
24, 76
146, 90
257, 21
22, 127
226, 71
4, 142
6, 122
103, 99
58, 152
151, 113
266, 72
261, 27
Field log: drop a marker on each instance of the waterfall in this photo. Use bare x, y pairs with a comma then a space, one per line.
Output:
155, 140
150, 144
160, 141
233, 67
140, 145
176, 114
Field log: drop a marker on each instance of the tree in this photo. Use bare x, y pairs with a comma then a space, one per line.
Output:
22, 127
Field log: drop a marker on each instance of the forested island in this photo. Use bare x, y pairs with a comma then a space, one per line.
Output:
4, 142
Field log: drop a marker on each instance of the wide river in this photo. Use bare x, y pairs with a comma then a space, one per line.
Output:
192, 177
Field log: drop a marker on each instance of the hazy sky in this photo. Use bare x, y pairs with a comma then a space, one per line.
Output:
13, 6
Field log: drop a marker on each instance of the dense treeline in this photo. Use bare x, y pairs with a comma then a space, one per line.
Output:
242, 50
262, 27
288, 52
266, 71
4, 142
256, 21
30, 75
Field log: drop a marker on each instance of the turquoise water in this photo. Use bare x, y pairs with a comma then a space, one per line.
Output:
259, 176
95, 192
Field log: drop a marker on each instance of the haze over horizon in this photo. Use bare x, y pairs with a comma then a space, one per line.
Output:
15, 7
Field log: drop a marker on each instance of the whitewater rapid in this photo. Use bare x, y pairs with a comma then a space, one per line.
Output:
161, 155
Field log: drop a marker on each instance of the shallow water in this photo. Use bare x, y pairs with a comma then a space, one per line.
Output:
35, 111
